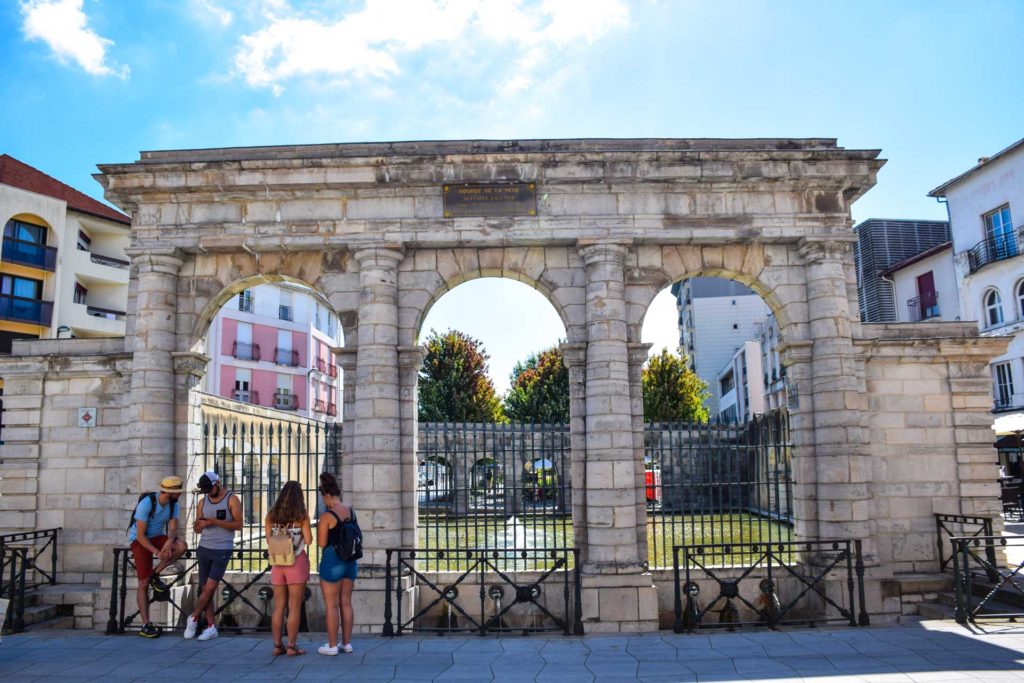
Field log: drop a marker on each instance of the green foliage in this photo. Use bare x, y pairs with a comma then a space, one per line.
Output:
672, 391
539, 390
453, 384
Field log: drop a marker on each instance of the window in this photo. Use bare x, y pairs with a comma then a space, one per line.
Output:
84, 241
993, 309
284, 309
22, 287
1003, 385
25, 232
245, 301
80, 293
999, 232
1020, 299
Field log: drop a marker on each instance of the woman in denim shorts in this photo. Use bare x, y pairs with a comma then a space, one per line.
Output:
337, 576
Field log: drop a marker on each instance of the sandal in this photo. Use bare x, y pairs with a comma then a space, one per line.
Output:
279, 649
294, 651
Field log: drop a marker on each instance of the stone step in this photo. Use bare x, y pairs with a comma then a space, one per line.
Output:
923, 583
935, 610
39, 613
62, 623
67, 594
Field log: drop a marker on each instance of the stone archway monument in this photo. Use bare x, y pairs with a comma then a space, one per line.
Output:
889, 422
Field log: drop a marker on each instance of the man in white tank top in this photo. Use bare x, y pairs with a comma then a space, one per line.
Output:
218, 517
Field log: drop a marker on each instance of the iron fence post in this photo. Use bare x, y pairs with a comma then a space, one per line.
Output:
389, 630
863, 618
112, 620
53, 558
677, 625
577, 626
18, 620
960, 613
990, 551
123, 589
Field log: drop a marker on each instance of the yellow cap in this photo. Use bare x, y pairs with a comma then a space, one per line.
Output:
172, 485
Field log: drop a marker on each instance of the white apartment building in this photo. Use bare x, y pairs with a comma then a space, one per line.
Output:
925, 286
275, 345
739, 385
986, 215
773, 372
716, 317
63, 267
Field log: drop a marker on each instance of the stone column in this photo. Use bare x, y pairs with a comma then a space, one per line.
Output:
842, 463
410, 360
796, 358
574, 355
376, 443
189, 368
347, 362
637, 358
617, 595
153, 374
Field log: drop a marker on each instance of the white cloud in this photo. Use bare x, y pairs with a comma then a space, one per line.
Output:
63, 26
208, 11
370, 43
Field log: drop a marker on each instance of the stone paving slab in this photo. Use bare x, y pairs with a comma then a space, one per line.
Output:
924, 652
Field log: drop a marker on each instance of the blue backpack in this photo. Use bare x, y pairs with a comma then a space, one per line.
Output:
350, 537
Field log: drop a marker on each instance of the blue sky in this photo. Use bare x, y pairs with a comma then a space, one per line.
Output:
933, 84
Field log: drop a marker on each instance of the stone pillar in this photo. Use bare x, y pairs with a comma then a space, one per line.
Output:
347, 362
637, 358
22, 492
842, 462
189, 368
410, 360
574, 355
617, 595
796, 358
153, 374
376, 443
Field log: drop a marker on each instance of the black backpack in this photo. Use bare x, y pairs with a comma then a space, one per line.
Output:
350, 542
152, 508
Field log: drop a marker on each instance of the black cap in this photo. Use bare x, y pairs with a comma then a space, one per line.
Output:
205, 484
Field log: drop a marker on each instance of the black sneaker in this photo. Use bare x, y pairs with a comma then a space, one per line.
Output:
150, 631
159, 587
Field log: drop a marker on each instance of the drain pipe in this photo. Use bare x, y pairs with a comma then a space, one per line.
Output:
895, 304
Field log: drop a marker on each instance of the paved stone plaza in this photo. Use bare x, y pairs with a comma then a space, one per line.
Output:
915, 653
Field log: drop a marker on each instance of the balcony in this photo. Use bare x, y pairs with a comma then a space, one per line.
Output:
923, 307
332, 370
109, 261
320, 406
243, 351
22, 310
321, 365
105, 313
992, 249
286, 357
252, 397
284, 400
332, 409
30, 254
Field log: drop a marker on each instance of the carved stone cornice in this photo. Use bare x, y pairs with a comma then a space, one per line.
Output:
595, 252
167, 260
411, 357
820, 249
638, 352
795, 352
574, 354
189, 363
385, 257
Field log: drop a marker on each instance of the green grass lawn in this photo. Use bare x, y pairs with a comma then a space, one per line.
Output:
663, 532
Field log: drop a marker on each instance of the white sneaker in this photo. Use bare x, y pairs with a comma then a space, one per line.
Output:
346, 647
190, 627
209, 634
328, 651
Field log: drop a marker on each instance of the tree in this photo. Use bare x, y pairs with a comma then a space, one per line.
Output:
539, 390
672, 391
453, 384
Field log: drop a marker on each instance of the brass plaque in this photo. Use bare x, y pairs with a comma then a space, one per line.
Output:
491, 199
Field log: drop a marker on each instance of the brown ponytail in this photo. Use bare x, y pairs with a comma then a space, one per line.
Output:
329, 485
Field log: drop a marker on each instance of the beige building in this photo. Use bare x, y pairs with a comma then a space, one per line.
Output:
63, 262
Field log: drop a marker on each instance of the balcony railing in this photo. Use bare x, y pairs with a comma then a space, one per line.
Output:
321, 365
30, 254
923, 307
994, 248
108, 261
320, 406
20, 309
332, 370
286, 357
332, 409
252, 397
107, 313
243, 351
286, 401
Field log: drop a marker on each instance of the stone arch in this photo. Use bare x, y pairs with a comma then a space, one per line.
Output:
433, 273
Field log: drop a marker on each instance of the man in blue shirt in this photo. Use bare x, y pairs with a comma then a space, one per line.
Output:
154, 531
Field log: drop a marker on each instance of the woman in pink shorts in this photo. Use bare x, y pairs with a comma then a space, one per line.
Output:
289, 516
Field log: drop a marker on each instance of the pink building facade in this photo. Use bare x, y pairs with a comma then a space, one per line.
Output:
275, 346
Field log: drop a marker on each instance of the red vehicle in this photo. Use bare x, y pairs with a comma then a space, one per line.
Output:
652, 480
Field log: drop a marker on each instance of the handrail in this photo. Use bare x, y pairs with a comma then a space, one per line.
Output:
108, 260
30, 254
923, 307
982, 526
994, 248
98, 312
286, 356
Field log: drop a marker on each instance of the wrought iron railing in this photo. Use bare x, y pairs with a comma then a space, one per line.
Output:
108, 313
717, 483
285, 401
797, 583
987, 590
993, 248
13, 565
319, 406
235, 610
245, 351
332, 409
22, 309
284, 356
332, 370
108, 261
252, 397
494, 598
948, 527
321, 365
493, 486
30, 254
923, 307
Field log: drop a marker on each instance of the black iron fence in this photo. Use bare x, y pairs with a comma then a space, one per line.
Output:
717, 483
769, 584
241, 604
13, 564
486, 596
492, 486
948, 527
40, 554
986, 588
256, 457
